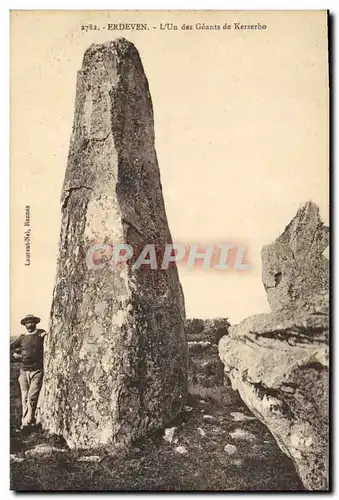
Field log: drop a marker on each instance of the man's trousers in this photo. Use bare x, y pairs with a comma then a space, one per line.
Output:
30, 386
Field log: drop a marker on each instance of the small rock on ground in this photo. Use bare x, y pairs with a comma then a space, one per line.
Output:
230, 449
242, 434
90, 458
237, 462
43, 449
14, 458
240, 417
181, 449
169, 434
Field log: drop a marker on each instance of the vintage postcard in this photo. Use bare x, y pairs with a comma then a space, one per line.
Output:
169, 251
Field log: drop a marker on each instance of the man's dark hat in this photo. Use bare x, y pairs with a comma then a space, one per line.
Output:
30, 317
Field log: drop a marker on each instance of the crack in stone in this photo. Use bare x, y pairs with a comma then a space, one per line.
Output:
69, 192
103, 139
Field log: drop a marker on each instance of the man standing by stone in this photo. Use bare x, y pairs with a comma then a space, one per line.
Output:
29, 347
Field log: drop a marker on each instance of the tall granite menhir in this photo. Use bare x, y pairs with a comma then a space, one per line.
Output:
116, 354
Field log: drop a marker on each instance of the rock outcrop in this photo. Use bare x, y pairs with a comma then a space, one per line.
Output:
278, 362
294, 266
116, 353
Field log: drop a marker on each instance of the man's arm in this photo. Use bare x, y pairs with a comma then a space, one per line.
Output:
16, 346
42, 333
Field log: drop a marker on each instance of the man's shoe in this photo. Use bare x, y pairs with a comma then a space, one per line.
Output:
25, 430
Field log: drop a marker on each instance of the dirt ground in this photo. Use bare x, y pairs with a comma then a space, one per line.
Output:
216, 444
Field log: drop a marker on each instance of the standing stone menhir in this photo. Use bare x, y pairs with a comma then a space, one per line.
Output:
116, 354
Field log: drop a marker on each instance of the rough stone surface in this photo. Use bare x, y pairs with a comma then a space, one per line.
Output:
278, 362
294, 267
116, 353
279, 366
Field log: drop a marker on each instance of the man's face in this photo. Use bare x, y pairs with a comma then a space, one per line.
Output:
30, 325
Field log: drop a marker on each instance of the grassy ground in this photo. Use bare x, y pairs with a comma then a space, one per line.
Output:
196, 459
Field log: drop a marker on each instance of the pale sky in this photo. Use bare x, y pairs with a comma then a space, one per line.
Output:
241, 127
